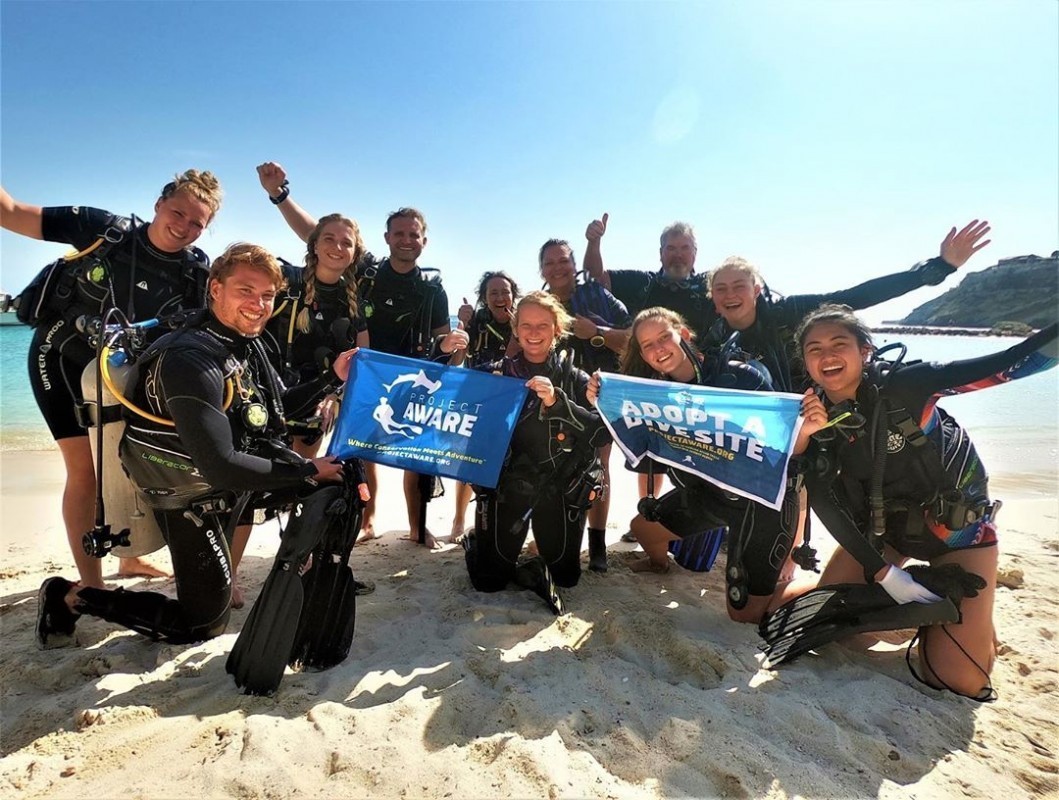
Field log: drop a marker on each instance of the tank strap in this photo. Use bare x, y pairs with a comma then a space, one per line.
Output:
87, 417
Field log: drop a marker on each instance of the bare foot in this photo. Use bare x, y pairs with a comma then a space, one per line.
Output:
645, 564
238, 601
367, 533
429, 540
138, 568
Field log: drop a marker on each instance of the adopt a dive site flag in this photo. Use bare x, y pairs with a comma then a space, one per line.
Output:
738, 440
427, 417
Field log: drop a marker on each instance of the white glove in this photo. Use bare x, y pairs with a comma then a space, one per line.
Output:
903, 588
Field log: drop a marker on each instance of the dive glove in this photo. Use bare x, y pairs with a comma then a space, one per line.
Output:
903, 588
950, 580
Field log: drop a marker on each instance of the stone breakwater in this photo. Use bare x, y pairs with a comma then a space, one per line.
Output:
931, 330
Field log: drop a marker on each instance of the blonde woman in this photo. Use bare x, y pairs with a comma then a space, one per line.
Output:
543, 482
319, 318
153, 269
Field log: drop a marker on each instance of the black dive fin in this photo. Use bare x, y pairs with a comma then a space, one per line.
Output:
264, 645
830, 613
260, 653
326, 627
325, 631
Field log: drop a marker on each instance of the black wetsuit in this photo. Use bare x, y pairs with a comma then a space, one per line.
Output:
760, 537
771, 338
488, 338
134, 276
638, 290
209, 457
919, 471
401, 309
299, 354
550, 449
303, 356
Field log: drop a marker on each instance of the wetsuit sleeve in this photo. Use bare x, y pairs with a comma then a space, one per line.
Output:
79, 226
926, 382
193, 388
870, 293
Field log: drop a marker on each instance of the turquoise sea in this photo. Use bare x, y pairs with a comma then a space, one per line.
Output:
1015, 426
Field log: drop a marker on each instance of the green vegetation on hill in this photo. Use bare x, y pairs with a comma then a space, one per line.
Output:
1023, 289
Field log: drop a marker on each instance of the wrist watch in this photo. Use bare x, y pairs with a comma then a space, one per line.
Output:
283, 195
598, 340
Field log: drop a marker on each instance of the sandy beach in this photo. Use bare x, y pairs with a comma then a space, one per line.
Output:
644, 689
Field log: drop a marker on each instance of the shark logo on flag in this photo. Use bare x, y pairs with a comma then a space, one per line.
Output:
738, 440
427, 417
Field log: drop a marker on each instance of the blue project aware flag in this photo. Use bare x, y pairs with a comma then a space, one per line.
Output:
738, 440
427, 417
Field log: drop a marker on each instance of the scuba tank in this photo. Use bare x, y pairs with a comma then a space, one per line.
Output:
136, 531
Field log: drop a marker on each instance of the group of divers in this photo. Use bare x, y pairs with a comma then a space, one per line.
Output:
226, 403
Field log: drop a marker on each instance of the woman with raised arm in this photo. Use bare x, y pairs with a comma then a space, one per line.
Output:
143, 269
901, 479
766, 324
318, 317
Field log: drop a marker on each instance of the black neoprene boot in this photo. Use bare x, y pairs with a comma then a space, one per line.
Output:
597, 550
533, 574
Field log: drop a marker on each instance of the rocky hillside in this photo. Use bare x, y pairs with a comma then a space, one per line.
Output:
1022, 289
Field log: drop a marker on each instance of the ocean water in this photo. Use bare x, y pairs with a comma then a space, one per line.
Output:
1015, 426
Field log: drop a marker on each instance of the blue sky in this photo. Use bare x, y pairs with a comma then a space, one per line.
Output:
828, 142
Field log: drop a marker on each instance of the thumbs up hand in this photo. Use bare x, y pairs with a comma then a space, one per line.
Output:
466, 313
596, 228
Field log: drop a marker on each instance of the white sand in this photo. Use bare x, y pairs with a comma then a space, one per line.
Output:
645, 689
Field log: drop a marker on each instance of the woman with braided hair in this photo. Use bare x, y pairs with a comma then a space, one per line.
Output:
316, 319
319, 318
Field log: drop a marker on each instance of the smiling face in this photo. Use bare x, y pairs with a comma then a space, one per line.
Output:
406, 239
678, 256
834, 359
735, 296
178, 221
536, 330
335, 249
557, 268
243, 301
660, 347
498, 298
